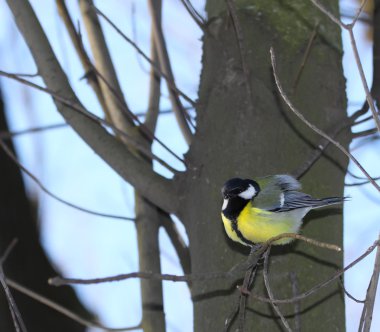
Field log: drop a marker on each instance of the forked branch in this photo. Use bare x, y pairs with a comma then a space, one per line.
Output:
136, 171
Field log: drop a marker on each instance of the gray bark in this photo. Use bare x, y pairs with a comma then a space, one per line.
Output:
237, 138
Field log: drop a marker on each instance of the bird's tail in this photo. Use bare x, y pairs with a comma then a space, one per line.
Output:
317, 203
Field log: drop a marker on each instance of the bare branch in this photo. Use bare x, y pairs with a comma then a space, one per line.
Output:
323, 284
61, 309
16, 315
198, 19
58, 281
349, 27
306, 55
366, 318
147, 227
297, 304
155, 65
110, 87
305, 239
12, 156
364, 133
137, 172
313, 127
170, 82
82, 54
242, 52
269, 291
155, 80
320, 148
178, 243
362, 121
359, 12
132, 141
348, 293
328, 14
163, 55
252, 259
249, 277
360, 183
370, 101
10, 134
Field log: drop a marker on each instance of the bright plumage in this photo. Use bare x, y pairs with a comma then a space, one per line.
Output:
255, 211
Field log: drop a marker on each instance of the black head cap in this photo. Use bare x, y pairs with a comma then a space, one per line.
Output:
235, 186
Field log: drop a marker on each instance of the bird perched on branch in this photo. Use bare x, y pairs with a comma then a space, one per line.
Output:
255, 211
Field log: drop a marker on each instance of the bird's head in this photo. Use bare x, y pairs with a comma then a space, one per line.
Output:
243, 188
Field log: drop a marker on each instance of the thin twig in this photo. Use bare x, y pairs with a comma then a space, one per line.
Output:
90, 68
269, 291
305, 56
349, 27
319, 149
9, 134
228, 321
82, 54
155, 65
135, 37
348, 293
305, 239
132, 141
370, 101
58, 281
130, 167
360, 183
362, 121
8, 250
15, 313
317, 287
364, 133
131, 117
366, 318
297, 305
249, 277
12, 156
242, 52
64, 311
358, 13
250, 267
155, 80
165, 64
198, 19
120, 114
177, 241
252, 259
313, 127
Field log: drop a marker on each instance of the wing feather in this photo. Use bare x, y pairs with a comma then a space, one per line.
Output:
280, 193
273, 189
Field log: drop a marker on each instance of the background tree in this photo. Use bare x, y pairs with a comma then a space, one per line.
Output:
27, 262
243, 128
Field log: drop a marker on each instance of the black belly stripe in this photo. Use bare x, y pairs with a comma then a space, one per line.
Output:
239, 234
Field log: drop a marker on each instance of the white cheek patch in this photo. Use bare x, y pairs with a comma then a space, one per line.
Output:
282, 199
225, 203
248, 193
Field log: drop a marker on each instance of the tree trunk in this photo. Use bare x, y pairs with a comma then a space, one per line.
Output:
27, 263
239, 136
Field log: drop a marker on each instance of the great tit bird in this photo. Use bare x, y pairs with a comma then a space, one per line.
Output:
255, 211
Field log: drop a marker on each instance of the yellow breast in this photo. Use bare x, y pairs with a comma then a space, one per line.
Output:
259, 226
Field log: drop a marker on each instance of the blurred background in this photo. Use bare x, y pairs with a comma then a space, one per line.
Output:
86, 246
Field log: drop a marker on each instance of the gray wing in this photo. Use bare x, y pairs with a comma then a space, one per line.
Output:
274, 190
280, 193
296, 200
